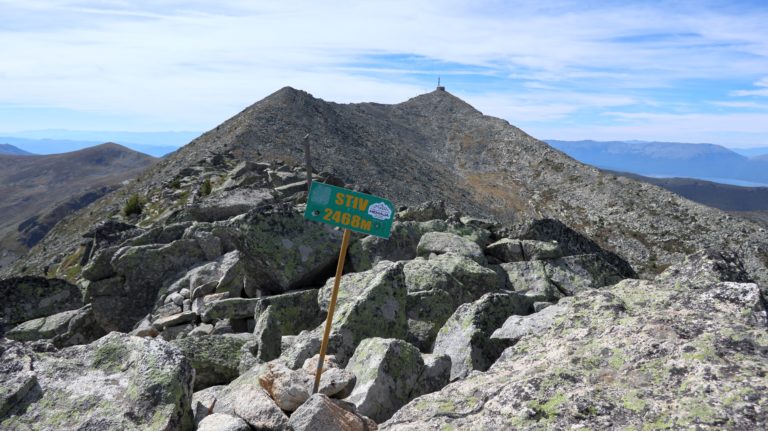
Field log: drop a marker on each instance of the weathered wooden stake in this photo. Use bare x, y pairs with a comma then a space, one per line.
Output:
331, 308
308, 161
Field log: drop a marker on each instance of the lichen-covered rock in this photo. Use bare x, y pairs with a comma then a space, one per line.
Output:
226, 204
63, 329
573, 274
436, 287
303, 347
231, 308
665, 354
568, 241
446, 242
99, 266
530, 278
223, 422
228, 273
435, 374
293, 311
117, 382
403, 241
27, 298
705, 268
387, 372
549, 280
430, 210
465, 337
370, 304
321, 413
175, 320
141, 272
215, 358
541, 250
267, 332
517, 327
506, 250
288, 252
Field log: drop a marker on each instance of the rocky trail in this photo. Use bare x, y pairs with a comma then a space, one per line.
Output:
205, 311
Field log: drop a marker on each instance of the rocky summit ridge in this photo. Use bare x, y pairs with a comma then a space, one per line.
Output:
520, 289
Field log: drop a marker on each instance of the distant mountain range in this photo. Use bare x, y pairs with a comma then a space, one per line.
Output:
11, 150
36, 191
156, 144
670, 159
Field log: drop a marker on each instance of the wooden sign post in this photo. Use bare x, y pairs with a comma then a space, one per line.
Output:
351, 211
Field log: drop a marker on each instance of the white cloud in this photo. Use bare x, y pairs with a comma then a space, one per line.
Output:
189, 65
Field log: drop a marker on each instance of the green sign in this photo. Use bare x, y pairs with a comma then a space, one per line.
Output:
348, 209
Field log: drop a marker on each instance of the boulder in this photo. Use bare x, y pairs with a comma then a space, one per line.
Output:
430, 210
573, 274
568, 240
540, 250
465, 337
706, 268
142, 271
293, 311
436, 287
506, 250
321, 413
26, 298
203, 402
99, 266
228, 273
403, 241
117, 382
215, 358
291, 388
445, 242
531, 279
174, 320
387, 371
245, 398
232, 308
435, 374
684, 351
222, 205
287, 251
517, 327
164, 234
288, 388
370, 304
171, 333
64, 329
267, 333
223, 422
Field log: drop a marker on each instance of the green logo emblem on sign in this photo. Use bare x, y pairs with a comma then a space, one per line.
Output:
348, 209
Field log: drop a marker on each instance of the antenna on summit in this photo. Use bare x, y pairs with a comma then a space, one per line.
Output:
439, 87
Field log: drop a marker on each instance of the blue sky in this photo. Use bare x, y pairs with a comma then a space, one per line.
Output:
686, 71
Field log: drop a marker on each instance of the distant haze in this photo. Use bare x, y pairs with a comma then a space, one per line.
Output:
62, 141
670, 159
